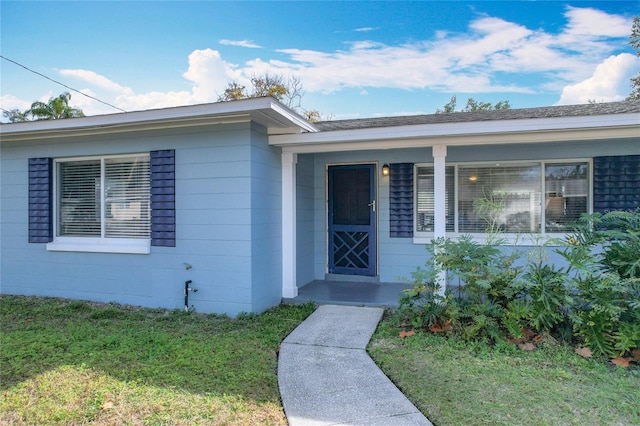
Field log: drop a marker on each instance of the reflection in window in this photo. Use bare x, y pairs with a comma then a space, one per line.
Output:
566, 187
505, 198
499, 198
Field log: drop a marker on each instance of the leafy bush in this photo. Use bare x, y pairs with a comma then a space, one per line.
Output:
604, 257
596, 296
488, 280
423, 305
621, 233
485, 270
548, 296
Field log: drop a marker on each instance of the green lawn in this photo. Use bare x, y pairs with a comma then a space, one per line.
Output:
74, 362
458, 383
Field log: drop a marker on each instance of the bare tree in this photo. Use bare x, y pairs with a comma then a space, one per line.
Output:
288, 90
634, 41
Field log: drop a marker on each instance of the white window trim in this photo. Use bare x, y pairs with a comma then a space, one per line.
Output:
100, 245
93, 244
525, 239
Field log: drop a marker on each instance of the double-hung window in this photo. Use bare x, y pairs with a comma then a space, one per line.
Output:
540, 197
103, 204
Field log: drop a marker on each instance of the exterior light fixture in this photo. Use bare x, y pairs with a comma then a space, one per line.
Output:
473, 178
385, 170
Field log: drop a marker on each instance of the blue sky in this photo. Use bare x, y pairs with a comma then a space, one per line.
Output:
354, 59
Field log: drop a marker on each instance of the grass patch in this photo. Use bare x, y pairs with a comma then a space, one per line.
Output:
454, 382
75, 362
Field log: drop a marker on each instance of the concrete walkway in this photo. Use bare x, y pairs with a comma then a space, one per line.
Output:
327, 378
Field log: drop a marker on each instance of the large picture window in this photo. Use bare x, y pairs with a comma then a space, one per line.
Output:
507, 198
106, 197
499, 198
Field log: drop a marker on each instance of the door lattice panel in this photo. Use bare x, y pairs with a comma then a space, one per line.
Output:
351, 249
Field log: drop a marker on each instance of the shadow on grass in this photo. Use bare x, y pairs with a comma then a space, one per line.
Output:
197, 353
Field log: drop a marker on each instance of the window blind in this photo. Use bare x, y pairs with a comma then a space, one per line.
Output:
79, 208
425, 199
127, 188
497, 198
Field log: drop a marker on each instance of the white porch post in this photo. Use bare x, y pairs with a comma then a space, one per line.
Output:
440, 196
289, 288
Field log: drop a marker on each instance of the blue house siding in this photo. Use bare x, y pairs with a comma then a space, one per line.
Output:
214, 196
266, 220
305, 221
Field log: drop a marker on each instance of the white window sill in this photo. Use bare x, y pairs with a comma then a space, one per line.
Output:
100, 245
509, 239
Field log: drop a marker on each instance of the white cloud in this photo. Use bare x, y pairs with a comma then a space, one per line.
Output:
9, 102
463, 62
153, 100
365, 29
209, 74
593, 22
610, 82
96, 80
241, 43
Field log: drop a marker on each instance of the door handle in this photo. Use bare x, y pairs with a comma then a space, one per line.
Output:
373, 204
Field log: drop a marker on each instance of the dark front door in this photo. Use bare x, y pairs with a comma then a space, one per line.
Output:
352, 220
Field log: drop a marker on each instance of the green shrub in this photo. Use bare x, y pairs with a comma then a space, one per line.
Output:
603, 254
490, 283
548, 296
621, 232
423, 305
595, 298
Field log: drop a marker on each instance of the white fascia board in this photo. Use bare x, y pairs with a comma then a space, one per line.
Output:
293, 119
465, 133
265, 111
468, 140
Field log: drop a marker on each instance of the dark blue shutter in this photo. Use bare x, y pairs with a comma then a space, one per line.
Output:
401, 200
616, 183
40, 200
163, 198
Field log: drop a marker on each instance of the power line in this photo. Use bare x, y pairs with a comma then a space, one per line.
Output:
61, 84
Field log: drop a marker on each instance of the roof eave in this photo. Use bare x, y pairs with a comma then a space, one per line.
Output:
468, 133
268, 112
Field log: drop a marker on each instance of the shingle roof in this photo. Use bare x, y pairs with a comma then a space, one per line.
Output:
624, 107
